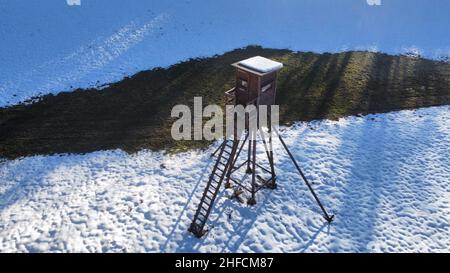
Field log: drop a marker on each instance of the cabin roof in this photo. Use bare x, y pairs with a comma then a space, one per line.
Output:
260, 64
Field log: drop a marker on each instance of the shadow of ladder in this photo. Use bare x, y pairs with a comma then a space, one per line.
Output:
224, 163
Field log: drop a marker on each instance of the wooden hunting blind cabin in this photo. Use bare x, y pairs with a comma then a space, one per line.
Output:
256, 80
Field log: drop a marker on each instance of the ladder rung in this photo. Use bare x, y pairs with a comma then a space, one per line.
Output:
221, 163
212, 179
225, 157
200, 214
216, 182
210, 198
220, 169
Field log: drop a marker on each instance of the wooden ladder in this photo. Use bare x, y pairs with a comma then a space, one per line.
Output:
224, 162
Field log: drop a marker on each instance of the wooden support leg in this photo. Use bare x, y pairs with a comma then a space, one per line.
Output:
252, 200
327, 216
249, 169
273, 184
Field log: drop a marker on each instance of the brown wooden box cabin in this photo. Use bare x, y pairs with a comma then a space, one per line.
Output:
256, 79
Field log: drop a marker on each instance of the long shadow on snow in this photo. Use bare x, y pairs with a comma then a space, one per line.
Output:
374, 178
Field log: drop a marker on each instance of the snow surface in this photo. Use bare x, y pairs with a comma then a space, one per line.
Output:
386, 177
50, 46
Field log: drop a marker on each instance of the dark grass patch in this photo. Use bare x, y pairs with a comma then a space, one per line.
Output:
134, 113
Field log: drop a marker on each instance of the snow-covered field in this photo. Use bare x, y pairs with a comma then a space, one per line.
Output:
49, 46
386, 177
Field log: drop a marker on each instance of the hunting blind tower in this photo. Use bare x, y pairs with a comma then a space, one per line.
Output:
256, 80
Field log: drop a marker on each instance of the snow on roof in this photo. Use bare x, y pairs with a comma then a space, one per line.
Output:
261, 64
